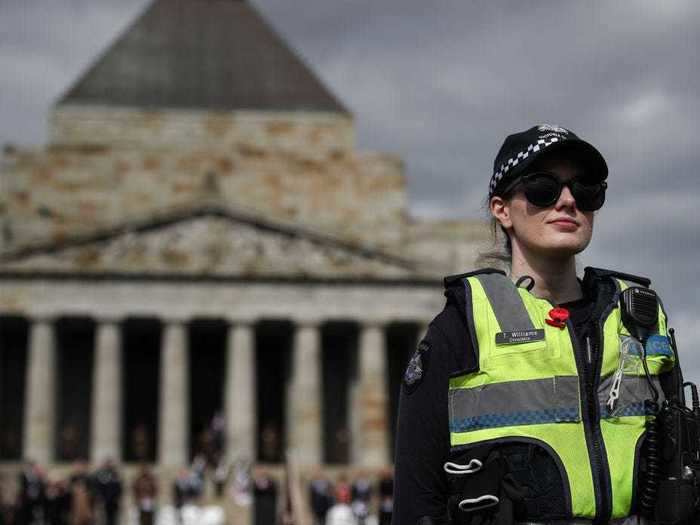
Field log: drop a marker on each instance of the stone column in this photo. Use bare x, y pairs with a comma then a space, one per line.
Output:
304, 395
240, 405
370, 425
106, 397
41, 392
240, 410
173, 424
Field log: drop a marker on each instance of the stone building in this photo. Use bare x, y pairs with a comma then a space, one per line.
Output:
201, 237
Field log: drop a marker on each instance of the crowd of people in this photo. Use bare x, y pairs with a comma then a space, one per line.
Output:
81, 498
90, 498
84, 497
357, 501
352, 502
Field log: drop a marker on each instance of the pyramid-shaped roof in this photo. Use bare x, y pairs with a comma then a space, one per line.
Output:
202, 54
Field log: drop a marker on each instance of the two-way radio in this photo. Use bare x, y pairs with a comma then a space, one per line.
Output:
670, 493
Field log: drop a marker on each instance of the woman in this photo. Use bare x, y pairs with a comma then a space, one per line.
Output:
510, 411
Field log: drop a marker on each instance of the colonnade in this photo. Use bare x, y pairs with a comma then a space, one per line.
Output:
369, 408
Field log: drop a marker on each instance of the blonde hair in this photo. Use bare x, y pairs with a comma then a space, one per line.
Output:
500, 253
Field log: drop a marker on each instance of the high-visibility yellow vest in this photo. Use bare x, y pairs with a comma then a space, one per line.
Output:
530, 387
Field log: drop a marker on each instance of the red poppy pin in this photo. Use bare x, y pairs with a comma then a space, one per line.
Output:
558, 317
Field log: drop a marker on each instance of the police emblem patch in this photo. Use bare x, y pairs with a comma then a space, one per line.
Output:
415, 368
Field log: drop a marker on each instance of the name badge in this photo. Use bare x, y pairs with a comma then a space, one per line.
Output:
519, 336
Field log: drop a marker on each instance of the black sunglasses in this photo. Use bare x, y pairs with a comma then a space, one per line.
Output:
543, 190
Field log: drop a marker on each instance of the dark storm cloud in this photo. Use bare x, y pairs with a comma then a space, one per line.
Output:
442, 83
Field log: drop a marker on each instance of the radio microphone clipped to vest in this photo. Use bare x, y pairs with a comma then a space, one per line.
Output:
640, 311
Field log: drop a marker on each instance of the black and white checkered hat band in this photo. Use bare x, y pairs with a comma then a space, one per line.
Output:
511, 163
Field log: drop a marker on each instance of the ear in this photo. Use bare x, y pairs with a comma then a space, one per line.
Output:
500, 209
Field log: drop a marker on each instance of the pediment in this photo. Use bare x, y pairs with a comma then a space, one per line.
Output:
211, 242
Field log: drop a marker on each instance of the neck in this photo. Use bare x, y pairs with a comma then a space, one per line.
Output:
555, 278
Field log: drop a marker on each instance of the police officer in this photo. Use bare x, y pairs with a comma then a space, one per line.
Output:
517, 406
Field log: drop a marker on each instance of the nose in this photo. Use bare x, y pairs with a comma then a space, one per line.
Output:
566, 199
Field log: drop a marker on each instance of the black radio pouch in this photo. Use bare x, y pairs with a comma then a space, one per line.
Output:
677, 496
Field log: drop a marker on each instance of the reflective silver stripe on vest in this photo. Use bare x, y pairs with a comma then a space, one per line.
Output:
506, 302
533, 402
634, 390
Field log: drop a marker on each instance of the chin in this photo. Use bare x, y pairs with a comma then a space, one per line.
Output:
561, 247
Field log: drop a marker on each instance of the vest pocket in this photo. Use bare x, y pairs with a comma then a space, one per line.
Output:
659, 355
624, 393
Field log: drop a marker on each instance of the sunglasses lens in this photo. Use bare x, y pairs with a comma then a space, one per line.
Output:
542, 190
589, 197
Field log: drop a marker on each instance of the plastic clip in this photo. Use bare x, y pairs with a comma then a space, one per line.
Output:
482, 502
473, 466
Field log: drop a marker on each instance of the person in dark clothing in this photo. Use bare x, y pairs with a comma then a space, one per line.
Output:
321, 495
264, 499
32, 494
58, 502
108, 485
361, 493
386, 497
182, 491
546, 186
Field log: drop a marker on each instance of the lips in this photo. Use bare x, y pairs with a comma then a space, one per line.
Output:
563, 220
566, 223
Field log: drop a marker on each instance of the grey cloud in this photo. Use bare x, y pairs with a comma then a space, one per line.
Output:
44, 46
441, 84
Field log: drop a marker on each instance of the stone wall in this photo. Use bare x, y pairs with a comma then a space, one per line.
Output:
447, 246
318, 135
66, 191
108, 168
216, 246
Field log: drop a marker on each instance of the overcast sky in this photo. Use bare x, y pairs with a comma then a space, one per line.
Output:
442, 83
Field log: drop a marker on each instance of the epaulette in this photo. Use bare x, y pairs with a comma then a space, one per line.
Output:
601, 272
451, 279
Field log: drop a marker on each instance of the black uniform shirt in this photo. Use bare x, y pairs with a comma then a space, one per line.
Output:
423, 437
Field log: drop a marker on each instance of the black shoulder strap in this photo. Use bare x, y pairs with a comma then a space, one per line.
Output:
599, 273
451, 279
